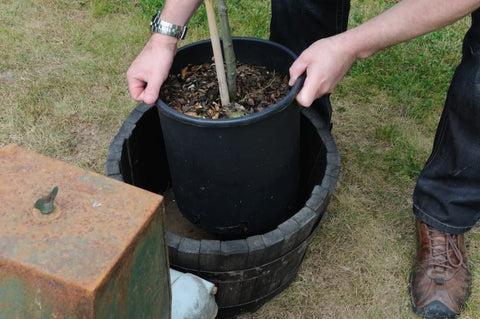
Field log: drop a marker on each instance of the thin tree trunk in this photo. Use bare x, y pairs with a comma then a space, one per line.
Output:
217, 53
230, 60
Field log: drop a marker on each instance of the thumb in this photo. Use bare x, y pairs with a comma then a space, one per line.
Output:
150, 95
296, 70
292, 80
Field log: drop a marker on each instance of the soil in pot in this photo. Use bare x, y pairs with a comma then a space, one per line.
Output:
194, 91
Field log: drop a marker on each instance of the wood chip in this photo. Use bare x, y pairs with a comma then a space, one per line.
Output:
184, 72
192, 114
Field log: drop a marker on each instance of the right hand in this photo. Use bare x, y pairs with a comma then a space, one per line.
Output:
326, 62
150, 69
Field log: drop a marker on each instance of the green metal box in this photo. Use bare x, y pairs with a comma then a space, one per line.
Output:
101, 252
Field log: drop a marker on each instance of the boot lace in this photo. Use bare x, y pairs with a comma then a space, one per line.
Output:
444, 247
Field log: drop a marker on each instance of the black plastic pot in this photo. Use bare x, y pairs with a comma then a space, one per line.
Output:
235, 177
247, 271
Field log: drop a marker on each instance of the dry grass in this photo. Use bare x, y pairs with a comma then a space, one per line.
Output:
63, 93
62, 79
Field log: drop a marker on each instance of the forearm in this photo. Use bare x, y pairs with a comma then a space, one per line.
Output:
406, 20
179, 11
328, 60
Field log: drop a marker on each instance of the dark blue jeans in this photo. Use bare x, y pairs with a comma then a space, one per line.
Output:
298, 23
447, 194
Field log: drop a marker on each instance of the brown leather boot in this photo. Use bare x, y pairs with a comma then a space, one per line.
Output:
440, 280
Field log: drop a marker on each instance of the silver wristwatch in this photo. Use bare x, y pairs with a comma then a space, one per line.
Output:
167, 28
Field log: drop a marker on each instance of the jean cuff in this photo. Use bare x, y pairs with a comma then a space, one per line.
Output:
432, 221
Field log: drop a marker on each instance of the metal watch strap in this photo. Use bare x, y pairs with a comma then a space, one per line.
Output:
163, 27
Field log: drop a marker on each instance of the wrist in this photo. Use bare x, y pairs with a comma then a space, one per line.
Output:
356, 45
162, 40
161, 45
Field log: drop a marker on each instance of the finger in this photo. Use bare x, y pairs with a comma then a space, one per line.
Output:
304, 99
309, 92
136, 88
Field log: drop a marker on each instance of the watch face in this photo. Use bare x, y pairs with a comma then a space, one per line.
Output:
155, 18
154, 22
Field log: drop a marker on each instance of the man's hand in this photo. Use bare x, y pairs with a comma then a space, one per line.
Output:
151, 67
326, 62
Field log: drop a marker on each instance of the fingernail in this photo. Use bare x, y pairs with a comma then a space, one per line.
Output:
149, 98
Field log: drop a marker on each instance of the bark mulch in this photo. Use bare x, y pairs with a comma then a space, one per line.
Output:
194, 91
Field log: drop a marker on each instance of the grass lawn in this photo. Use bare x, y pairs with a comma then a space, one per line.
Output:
64, 94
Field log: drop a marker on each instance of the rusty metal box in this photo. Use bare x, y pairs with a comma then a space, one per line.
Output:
101, 253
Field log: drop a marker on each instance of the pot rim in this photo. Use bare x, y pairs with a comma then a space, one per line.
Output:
239, 121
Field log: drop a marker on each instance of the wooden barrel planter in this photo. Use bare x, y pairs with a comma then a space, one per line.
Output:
249, 271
